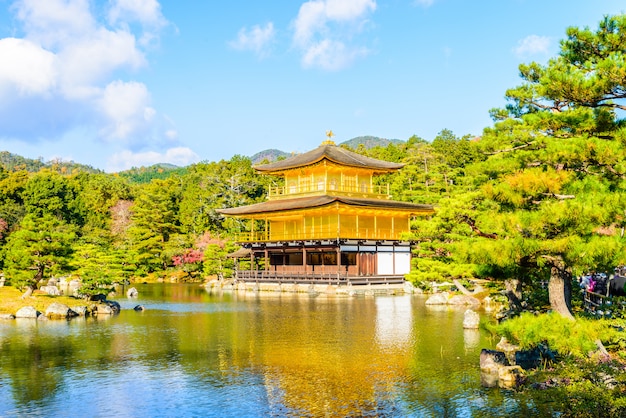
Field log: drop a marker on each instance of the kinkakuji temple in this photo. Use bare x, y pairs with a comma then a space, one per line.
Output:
330, 222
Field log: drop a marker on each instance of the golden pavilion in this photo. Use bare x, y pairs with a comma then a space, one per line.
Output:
329, 221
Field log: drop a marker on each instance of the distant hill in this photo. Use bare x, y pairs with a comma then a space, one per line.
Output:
269, 155
370, 142
13, 162
147, 174
367, 141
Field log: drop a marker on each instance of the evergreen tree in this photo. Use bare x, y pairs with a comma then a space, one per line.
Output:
41, 244
553, 199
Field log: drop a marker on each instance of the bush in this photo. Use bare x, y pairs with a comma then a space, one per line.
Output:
575, 338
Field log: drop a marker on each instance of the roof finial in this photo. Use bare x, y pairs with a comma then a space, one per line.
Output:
329, 141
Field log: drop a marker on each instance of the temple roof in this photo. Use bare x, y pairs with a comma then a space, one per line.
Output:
332, 153
318, 201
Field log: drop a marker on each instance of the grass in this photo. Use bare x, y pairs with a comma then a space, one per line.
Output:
11, 300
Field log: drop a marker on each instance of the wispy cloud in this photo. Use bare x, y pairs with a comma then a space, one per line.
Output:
65, 71
325, 31
532, 45
256, 39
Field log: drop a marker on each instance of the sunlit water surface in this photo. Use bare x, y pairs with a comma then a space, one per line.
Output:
192, 353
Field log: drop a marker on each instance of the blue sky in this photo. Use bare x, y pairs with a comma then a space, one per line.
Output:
123, 83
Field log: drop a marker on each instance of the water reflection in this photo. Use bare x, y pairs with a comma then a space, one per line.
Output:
196, 353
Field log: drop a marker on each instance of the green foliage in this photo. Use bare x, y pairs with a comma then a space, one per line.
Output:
566, 337
144, 175
215, 261
41, 244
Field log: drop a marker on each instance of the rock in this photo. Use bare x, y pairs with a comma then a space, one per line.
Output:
471, 319
73, 287
139, 308
80, 310
27, 312
463, 300
510, 377
508, 348
115, 307
132, 293
98, 298
52, 281
103, 309
490, 363
490, 359
438, 299
528, 359
59, 310
7, 316
51, 290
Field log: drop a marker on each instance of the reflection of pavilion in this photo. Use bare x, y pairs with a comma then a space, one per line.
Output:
394, 322
330, 221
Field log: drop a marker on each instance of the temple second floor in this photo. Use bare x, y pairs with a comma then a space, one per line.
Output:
326, 217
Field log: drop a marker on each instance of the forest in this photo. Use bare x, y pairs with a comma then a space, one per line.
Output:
537, 199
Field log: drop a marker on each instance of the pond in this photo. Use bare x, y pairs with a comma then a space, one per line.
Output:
196, 353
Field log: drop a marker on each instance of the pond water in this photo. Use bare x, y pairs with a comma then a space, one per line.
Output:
195, 353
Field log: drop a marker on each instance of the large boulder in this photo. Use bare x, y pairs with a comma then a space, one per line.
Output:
51, 290
73, 286
463, 300
490, 363
132, 293
471, 319
59, 310
438, 299
80, 310
108, 307
509, 349
27, 312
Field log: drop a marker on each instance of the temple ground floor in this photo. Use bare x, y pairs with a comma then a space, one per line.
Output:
330, 262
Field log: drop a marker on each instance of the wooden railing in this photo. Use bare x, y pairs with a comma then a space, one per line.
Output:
351, 190
601, 305
321, 233
335, 278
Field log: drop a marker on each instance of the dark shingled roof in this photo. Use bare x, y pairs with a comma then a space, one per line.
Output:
318, 201
333, 153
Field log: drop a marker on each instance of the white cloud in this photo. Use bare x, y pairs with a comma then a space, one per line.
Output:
257, 39
323, 28
91, 59
125, 106
330, 55
26, 68
180, 156
52, 23
146, 12
532, 45
65, 72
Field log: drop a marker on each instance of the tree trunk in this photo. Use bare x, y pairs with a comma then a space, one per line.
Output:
514, 294
28, 292
560, 289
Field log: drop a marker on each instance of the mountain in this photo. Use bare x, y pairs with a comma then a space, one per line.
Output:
370, 142
269, 155
367, 141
